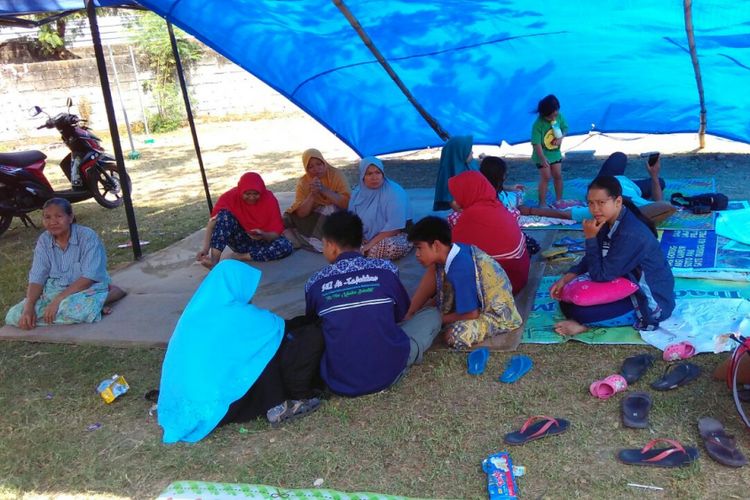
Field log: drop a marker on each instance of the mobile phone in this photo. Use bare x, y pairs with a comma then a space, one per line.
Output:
653, 156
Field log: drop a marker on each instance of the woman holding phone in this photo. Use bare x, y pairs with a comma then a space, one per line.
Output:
247, 219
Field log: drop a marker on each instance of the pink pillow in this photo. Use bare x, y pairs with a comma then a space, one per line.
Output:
584, 292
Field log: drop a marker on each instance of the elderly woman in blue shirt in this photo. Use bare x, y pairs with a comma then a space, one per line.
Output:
68, 281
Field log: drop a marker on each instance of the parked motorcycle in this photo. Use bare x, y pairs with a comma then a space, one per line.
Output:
24, 187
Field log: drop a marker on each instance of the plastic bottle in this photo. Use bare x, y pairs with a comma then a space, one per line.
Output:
556, 130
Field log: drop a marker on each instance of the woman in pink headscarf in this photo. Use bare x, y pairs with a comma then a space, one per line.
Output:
247, 219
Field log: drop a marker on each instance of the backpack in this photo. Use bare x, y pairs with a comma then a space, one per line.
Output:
701, 203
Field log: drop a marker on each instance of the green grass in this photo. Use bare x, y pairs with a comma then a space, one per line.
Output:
425, 437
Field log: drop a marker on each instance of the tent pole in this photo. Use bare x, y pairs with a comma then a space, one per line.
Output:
116, 146
188, 110
370, 45
688, 4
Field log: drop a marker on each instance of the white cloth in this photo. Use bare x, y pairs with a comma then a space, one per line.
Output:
705, 323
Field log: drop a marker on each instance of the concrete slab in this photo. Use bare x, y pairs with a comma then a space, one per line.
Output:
160, 286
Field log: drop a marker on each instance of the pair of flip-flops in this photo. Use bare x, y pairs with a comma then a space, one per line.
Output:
518, 365
537, 427
634, 367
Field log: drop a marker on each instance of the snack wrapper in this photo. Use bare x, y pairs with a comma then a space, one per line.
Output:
112, 388
501, 481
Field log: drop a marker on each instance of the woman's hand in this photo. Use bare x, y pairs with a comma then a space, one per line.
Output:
202, 253
555, 291
28, 319
50, 312
591, 228
257, 234
653, 170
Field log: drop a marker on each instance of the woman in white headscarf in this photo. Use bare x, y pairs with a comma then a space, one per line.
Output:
383, 206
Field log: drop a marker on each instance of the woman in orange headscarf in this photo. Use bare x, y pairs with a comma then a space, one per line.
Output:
247, 219
487, 224
320, 192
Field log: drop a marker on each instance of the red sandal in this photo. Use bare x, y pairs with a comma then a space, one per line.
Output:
674, 456
537, 427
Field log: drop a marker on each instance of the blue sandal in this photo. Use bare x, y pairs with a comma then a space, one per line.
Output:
477, 361
518, 366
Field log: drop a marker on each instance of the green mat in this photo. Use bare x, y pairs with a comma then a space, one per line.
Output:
575, 189
539, 328
203, 490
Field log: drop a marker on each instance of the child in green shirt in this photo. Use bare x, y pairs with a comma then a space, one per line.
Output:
546, 137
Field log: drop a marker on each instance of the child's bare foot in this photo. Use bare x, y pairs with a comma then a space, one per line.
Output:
106, 311
569, 327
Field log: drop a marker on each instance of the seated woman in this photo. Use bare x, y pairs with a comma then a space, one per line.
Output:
320, 192
226, 360
620, 242
646, 194
383, 207
247, 219
471, 290
68, 281
456, 157
487, 224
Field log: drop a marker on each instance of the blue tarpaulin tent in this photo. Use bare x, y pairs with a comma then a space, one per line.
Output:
479, 67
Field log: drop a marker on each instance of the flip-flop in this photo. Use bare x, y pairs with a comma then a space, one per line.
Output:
676, 376
719, 445
477, 361
634, 367
537, 427
674, 456
678, 351
635, 408
518, 366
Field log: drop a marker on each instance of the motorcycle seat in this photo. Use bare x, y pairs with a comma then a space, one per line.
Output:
22, 159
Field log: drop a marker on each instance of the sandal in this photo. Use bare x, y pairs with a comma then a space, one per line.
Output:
674, 456
719, 445
605, 389
634, 367
476, 361
537, 427
676, 376
676, 352
291, 409
518, 366
635, 408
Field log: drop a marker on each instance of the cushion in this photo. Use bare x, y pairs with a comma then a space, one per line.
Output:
584, 292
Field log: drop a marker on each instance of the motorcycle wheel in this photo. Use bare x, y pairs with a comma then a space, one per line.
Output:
103, 181
5, 221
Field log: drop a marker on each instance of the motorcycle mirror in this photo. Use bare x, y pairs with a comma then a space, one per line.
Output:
69, 102
36, 110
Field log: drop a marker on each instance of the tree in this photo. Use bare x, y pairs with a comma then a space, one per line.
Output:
153, 42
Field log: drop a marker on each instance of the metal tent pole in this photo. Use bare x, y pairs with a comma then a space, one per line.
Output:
688, 5
431, 121
189, 111
101, 65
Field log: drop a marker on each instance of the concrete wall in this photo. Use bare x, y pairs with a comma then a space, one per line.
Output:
217, 87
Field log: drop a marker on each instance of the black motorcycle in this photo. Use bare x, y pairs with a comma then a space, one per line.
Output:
24, 187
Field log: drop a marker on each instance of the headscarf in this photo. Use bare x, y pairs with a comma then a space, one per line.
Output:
452, 162
219, 348
614, 165
332, 179
265, 214
484, 221
382, 209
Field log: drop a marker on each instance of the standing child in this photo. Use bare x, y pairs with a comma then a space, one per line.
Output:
546, 137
